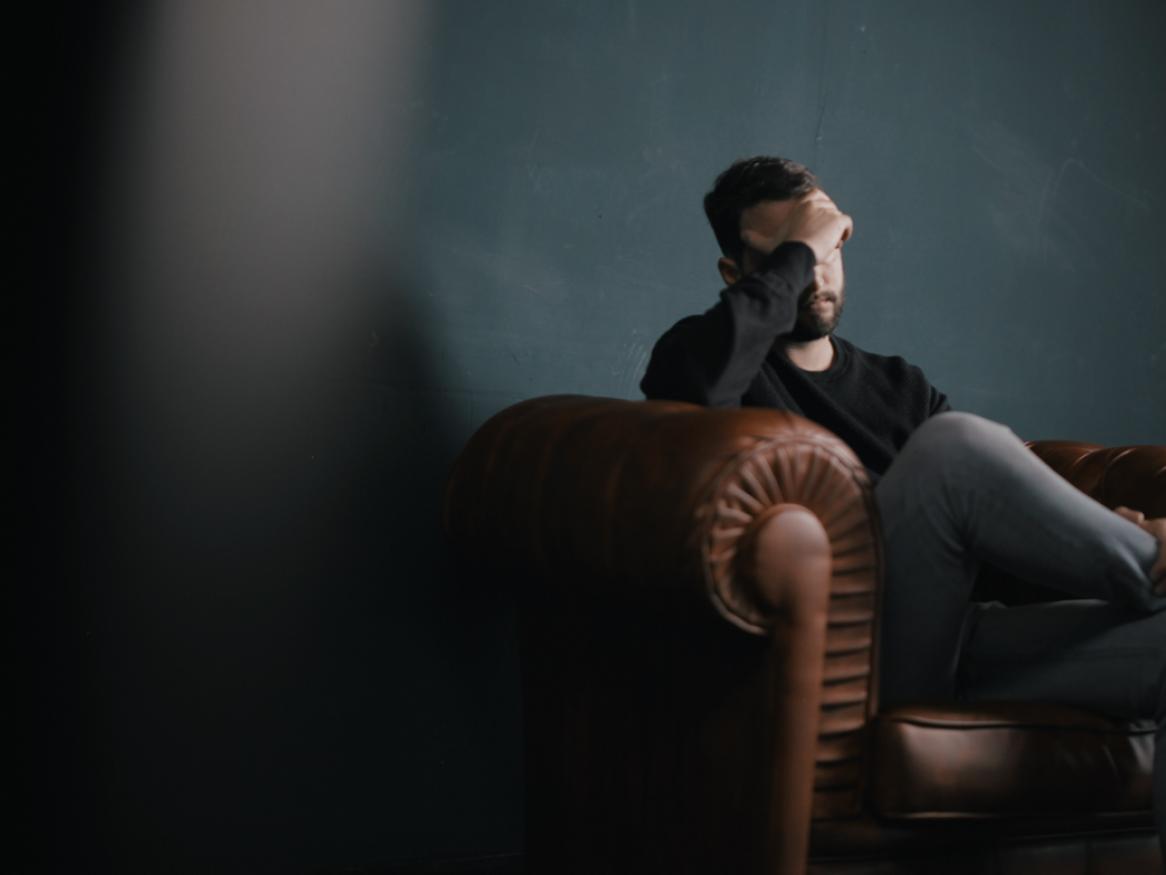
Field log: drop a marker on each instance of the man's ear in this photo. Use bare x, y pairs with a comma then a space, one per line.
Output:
730, 273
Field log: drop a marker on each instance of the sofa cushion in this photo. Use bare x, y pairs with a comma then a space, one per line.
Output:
992, 760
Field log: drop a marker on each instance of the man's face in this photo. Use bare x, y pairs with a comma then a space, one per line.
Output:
764, 226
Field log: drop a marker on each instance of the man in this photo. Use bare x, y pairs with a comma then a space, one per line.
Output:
953, 490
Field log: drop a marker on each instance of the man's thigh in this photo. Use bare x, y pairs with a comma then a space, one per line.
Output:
1089, 653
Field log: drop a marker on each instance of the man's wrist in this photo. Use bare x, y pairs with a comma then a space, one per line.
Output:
794, 259
791, 250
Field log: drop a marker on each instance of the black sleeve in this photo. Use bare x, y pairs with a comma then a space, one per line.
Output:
712, 358
939, 402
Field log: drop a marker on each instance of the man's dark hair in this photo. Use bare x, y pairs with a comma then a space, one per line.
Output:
746, 183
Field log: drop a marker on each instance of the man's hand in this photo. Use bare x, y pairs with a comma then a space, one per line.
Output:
1134, 516
818, 223
1157, 528
815, 221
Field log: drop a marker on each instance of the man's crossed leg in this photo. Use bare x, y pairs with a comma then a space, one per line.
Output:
965, 491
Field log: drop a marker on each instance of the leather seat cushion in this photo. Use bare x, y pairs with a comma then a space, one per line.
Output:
992, 760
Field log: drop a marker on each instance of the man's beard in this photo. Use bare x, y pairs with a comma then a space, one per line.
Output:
811, 324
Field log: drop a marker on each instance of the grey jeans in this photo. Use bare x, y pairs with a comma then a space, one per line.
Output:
964, 491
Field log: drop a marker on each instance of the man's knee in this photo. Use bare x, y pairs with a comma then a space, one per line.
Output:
956, 429
955, 438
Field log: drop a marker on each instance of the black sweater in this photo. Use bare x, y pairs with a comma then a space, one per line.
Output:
728, 357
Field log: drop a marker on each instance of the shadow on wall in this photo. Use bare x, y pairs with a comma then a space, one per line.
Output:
448, 645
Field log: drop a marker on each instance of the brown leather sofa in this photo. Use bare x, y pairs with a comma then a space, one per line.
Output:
699, 603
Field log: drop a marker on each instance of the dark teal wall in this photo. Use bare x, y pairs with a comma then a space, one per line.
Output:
1002, 162
334, 239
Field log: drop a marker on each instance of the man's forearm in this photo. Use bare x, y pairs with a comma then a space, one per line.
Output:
712, 358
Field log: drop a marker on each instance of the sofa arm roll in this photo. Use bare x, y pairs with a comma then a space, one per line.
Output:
582, 491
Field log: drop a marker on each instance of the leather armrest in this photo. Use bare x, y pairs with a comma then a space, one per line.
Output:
766, 515
601, 492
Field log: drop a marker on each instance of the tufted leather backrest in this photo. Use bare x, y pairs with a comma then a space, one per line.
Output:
1134, 476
